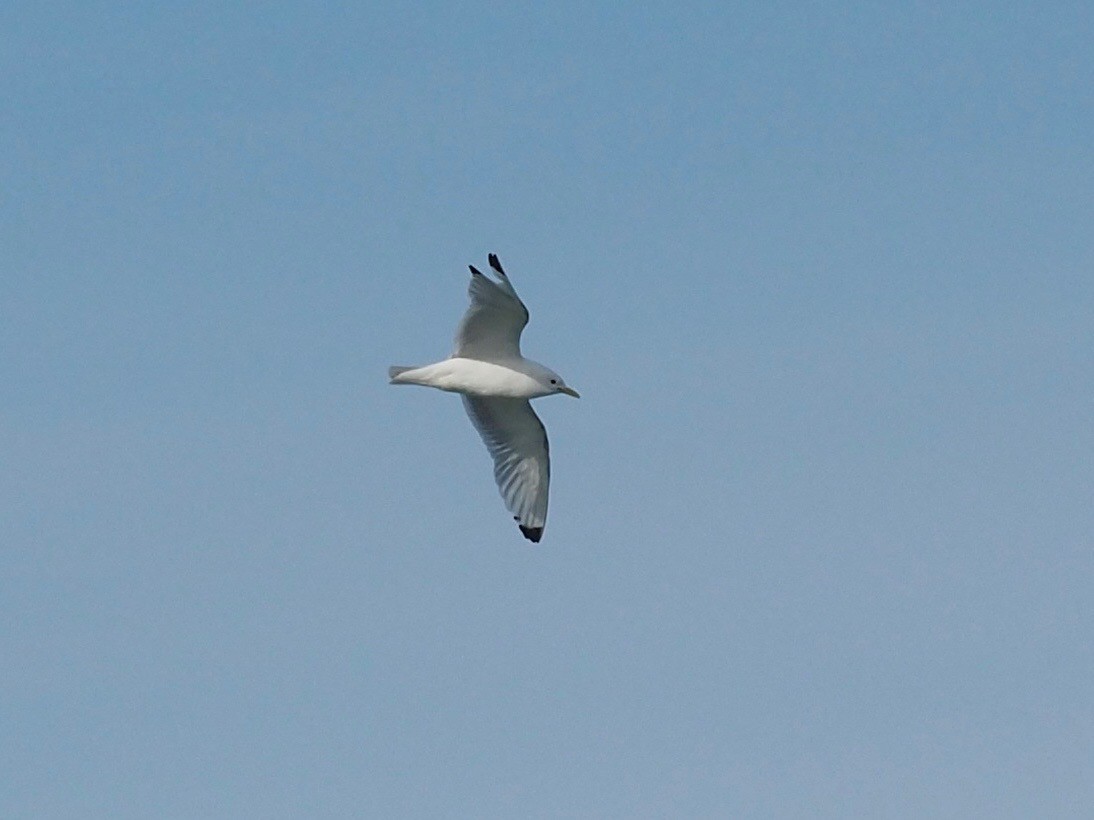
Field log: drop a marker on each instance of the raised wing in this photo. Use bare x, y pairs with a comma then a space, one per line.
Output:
515, 437
490, 330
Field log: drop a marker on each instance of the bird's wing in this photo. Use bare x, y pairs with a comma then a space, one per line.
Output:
490, 330
515, 437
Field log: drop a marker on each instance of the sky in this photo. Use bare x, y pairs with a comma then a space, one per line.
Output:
821, 539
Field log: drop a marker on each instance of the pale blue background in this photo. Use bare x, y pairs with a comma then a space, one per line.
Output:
821, 528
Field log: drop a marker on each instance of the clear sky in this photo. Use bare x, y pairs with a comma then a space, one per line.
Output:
821, 540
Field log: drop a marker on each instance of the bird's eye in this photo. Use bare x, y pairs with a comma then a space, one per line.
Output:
554, 381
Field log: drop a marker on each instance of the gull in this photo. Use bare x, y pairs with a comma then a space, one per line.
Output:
496, 383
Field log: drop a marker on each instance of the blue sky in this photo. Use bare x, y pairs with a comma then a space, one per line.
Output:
821, 525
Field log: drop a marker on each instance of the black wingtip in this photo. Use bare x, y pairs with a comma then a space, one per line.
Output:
475, 271
494, 263
533, 534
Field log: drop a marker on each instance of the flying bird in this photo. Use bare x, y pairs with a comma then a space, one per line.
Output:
496, 383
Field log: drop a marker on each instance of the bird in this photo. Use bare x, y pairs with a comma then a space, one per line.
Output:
496, 384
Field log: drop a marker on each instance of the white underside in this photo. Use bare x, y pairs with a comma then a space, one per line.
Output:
476, 378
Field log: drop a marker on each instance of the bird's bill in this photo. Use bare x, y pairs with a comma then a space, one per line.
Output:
569, 391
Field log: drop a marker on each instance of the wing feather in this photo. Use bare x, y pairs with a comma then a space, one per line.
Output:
490, 329
517, 442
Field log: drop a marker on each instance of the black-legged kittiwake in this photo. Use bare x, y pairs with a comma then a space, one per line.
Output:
496, 383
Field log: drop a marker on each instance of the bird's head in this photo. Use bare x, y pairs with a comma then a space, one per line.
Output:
559, 386
552, 383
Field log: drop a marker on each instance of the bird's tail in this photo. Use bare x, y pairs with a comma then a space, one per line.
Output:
395, 371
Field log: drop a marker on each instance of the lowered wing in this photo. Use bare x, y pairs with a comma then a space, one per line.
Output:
517, 441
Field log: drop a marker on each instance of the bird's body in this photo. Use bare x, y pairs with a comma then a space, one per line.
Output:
496, 383
513, 379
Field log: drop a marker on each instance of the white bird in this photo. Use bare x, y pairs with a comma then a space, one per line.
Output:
496, 383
